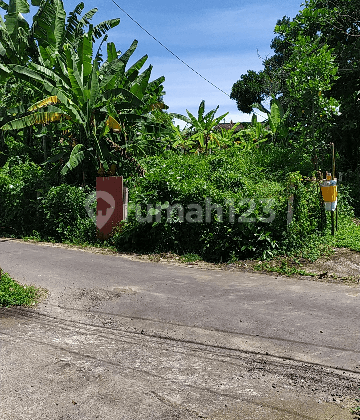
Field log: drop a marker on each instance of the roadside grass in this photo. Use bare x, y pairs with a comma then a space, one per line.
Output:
348, 234
283, 265
36, 237
356, 412
14, 294
190, 258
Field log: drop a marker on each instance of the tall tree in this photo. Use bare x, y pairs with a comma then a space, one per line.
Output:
331, 30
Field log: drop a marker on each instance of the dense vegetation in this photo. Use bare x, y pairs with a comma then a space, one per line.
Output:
315, 74
70, 113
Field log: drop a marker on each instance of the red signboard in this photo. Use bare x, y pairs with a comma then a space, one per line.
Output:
111, 204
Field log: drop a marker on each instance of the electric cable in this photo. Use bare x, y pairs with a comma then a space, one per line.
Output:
172, 53
167, 49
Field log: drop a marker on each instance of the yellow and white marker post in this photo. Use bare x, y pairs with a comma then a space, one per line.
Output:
329, 192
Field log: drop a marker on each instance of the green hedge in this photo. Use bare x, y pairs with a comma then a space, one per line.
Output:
225, 177
64, 215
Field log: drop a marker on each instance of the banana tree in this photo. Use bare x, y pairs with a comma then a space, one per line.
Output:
254, 135
229, 137
15, 41
275, 119
203, 126
53, 31
89, 96
40, 41
43, 41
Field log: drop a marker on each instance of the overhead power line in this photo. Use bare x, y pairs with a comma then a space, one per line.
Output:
167, 49
172, 53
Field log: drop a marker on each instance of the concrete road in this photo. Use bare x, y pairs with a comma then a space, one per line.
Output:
123, 339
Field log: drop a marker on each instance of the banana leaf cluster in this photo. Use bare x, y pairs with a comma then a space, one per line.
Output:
95, 102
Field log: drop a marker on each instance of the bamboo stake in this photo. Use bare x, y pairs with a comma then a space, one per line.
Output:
333, 160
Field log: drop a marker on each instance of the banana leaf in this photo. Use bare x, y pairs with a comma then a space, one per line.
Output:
36, 118
138, 87
51, 100
76, 157
103, 27
18, 6
116, 69
49, 24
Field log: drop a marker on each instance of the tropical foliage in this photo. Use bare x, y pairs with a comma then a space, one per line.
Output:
202, 138
314, 73
97, 104
72, 108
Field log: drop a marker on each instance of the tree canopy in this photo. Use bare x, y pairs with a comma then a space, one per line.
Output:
315, 73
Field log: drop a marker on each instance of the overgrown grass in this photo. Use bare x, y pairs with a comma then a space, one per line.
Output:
348, 234
14, 294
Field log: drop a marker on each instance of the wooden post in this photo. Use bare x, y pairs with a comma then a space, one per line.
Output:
336, 218
333, 177
332, 223
333, 160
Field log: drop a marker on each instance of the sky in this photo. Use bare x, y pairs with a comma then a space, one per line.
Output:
220, 40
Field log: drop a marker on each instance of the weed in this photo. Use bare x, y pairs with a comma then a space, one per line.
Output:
190, 258
15, 294
35, 236
283, 265
348, 235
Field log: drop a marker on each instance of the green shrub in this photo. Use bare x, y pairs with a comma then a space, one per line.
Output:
64, 215
20, 183
279, 160
352, 185
237, 182
231, 180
